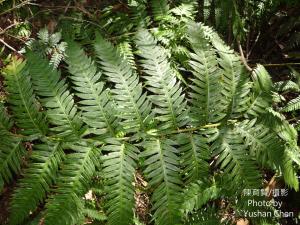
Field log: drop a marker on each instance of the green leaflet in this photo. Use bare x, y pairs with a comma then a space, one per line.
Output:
195, 155
167, 95
98, 110
134, 107
119, 166
72, 183
163, 172
235, 159
38, 178
55, 97
206, 96
22, 100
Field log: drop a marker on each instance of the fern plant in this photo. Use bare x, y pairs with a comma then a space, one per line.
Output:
50, 45
107, 115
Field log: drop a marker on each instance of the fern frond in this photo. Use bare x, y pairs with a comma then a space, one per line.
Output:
119, 167
138, 9
72, 183
233, 157
289, 170
133, 105
292, 105
235, 85
263, 143
43, 35
286, 86
126, 51
206, 95
95, 214
22, 100
97, 111
160, 9
197, 195
287, 133
167, 95
195, 150
5, 121
261, 96
162, 171
186, 10
54, 96
38, 177
58, 54
11, 154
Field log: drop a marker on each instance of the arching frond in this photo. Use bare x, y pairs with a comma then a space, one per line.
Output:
196, 152
287, 85
119, 167
72, 183
54, 96
206, 96
235, 85
235, 160
38, 178
22, 100
162, 171
198, 194
98, 111
289, 171
160, 80
261, 96
263, 143
133, 106
288, 134
186, 10
292, 105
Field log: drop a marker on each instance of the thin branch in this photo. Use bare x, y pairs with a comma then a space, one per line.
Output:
280, 64
7, 45
16, 7
9, 27
243, 57
195, 128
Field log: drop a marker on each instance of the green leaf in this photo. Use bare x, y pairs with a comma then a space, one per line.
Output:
97, 109
119, 166
134, 107
38, 178
21, 98
163, 172
161, 81
55, 97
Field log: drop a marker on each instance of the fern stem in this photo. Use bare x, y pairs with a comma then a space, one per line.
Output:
178, 131
281, 64
244, 60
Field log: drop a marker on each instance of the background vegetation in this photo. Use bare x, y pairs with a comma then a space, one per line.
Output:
133, 112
